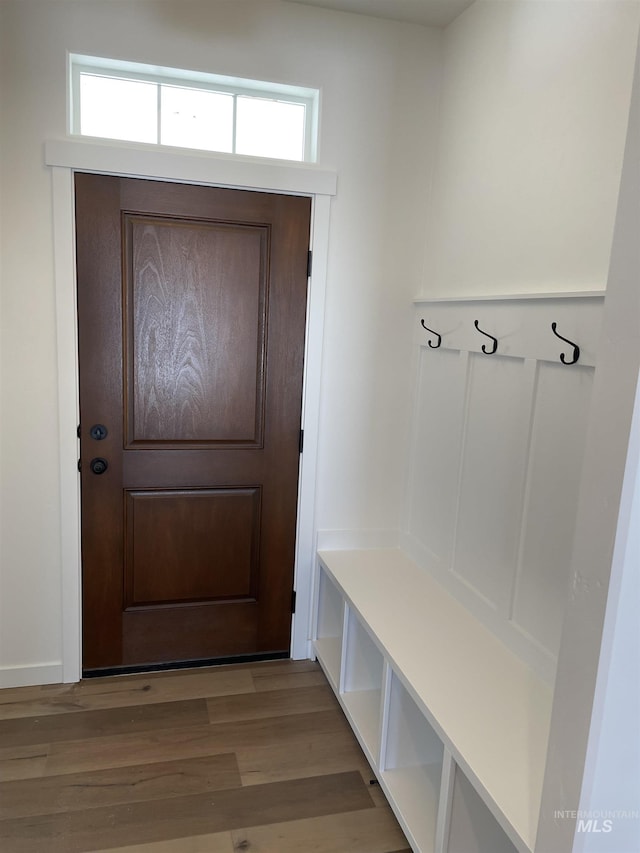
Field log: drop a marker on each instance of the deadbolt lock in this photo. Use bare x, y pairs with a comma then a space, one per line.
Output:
98, 432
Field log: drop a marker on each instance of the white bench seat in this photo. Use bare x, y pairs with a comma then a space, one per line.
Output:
489, 709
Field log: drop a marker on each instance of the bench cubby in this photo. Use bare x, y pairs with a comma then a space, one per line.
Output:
411, 766
329, 627
362, 683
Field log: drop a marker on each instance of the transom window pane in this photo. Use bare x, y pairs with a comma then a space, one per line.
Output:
192, 109
196, 118
270, 128
115, 108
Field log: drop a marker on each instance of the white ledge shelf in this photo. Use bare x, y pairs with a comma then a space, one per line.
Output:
513, 297
488, 708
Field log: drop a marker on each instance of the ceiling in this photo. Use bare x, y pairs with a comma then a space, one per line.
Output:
431, 13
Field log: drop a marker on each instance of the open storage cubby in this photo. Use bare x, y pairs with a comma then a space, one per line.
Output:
411, 766
361, 689
329, 626
473, 829
454, 725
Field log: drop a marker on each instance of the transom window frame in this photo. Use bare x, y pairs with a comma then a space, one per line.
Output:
160, 75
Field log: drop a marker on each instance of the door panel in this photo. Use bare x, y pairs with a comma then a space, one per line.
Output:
195, 345
187, 546
191, 306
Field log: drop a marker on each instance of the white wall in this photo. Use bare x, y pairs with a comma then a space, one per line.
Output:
611, 790
372, 74
535, 100
598, 654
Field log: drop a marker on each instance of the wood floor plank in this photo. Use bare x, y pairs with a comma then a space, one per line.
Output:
90, 724
216, 842
284, 666
319, 754
264, 680
169, 744
291, 730
179, 817
126, 691
139, 689
23, 762
275, 703
157, 781
144, 748
9, 695
366, 831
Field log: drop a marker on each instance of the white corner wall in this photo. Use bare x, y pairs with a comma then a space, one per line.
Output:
610, 800
598, 680
535, 100
371, 73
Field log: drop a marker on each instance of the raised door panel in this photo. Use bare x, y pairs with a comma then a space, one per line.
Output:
191, 546
195, 301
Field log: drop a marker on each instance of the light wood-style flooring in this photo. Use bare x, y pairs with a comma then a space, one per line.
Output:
256, 757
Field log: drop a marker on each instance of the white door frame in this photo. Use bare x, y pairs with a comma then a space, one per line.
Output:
67, 156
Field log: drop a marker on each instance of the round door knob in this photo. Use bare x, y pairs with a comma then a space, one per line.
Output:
98, 432
98, 465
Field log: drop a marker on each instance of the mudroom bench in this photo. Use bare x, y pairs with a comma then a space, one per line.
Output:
455, 726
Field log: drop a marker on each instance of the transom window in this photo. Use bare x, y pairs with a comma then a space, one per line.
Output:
188, 109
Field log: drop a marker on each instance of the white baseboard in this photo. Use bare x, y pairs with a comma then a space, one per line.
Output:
305, 653
27, 676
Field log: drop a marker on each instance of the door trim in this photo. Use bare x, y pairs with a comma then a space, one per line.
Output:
65, 157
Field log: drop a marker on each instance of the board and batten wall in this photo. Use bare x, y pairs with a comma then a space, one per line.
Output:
534, 110
534, 117
497, 457
371, 74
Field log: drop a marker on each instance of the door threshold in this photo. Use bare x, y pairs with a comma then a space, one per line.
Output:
102, 672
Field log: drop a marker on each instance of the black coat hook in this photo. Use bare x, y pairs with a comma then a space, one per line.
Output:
576, 348
439, 337
495, 340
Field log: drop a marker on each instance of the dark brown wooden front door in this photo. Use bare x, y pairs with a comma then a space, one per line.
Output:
191, 307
